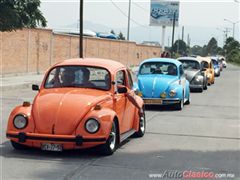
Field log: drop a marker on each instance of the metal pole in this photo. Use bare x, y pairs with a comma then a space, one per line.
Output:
163, 38
173, 31
233, 30
183, 33
81, 29
129, 18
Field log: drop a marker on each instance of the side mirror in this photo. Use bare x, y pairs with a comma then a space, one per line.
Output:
35, 87
122, 90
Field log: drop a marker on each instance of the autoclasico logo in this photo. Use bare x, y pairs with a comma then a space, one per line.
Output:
189, 174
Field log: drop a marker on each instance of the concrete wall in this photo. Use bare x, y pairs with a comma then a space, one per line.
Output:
34, 50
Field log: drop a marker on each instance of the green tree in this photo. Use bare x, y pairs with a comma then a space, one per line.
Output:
196, 50
16, 14
179, 47
231, 44
212, 46
120, 36
112, 32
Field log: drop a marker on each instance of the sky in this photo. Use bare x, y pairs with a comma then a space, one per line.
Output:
201, 19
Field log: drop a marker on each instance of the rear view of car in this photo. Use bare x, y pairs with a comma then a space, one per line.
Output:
216, 66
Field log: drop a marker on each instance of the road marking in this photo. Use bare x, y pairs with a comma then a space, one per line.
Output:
193, 135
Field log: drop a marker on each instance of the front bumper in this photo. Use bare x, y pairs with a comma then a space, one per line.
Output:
160, 101
195, 86
34, 139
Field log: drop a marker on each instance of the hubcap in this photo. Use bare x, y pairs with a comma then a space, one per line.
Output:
142, 124
112, 137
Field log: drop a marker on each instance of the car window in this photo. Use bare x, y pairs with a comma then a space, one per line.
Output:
181, 70
190, 64
78, 76
130, 80
120, 78
158, 68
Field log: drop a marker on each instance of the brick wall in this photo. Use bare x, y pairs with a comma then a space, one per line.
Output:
34, 50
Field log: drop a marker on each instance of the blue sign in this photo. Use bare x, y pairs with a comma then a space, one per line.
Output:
162, 13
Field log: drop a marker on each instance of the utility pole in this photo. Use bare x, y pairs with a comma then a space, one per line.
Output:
226, 31
233, 23
81, 29
173, 31
129, 19
183, 33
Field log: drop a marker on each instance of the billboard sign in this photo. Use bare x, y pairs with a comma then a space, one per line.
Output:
162, 13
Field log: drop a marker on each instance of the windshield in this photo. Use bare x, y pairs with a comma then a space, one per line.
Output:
190, 64
78, 76
215, 62
158, 68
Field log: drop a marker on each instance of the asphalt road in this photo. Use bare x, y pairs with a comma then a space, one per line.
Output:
204, 136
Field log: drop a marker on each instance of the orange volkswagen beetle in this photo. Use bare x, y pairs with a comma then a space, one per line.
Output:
208, 69
81, 103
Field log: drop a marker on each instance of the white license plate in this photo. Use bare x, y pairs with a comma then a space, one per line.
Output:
51, 147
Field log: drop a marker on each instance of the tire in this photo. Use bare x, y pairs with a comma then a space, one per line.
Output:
142, 126
18, 146
213, 82
205, 87
180, 105
112, 142
200, 90
188, 101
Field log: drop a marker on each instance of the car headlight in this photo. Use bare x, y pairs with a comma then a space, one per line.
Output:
92, 125
139, 93
163, 95
172, 93
20, 121
198, 78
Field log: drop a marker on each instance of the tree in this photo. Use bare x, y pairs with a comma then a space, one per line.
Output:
16, 14
112, 32
196, 50
179, 47
231, 44
120, 36
212, 46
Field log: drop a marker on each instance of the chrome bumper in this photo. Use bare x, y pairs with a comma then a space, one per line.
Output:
160, 101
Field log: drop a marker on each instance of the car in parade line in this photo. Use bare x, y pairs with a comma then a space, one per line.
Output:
216, 66
81, 103
208, 69
161, 81
194, 74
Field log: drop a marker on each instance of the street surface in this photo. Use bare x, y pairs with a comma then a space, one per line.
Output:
204, 136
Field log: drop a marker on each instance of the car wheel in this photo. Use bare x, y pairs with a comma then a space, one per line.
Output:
142, 126
18, 146
205, 87
111, 144
180, 105
200, 89
213, 82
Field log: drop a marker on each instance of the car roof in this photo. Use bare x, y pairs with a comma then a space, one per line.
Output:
189, 59
169, 60
105, 63
207, 59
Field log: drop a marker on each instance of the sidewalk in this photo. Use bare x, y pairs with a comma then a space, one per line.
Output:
20, 81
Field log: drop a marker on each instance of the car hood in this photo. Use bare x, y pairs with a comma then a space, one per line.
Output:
59, 111
190, 74
152, 86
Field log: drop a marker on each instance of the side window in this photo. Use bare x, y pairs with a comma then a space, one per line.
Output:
181, 71
120, 78
130, 81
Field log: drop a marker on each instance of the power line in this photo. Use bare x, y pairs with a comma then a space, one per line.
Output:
123, 13
136, 4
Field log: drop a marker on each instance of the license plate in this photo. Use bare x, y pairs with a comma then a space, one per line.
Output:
51, 147
153, 101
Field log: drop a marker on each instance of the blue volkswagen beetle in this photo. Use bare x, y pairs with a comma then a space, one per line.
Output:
161, 81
